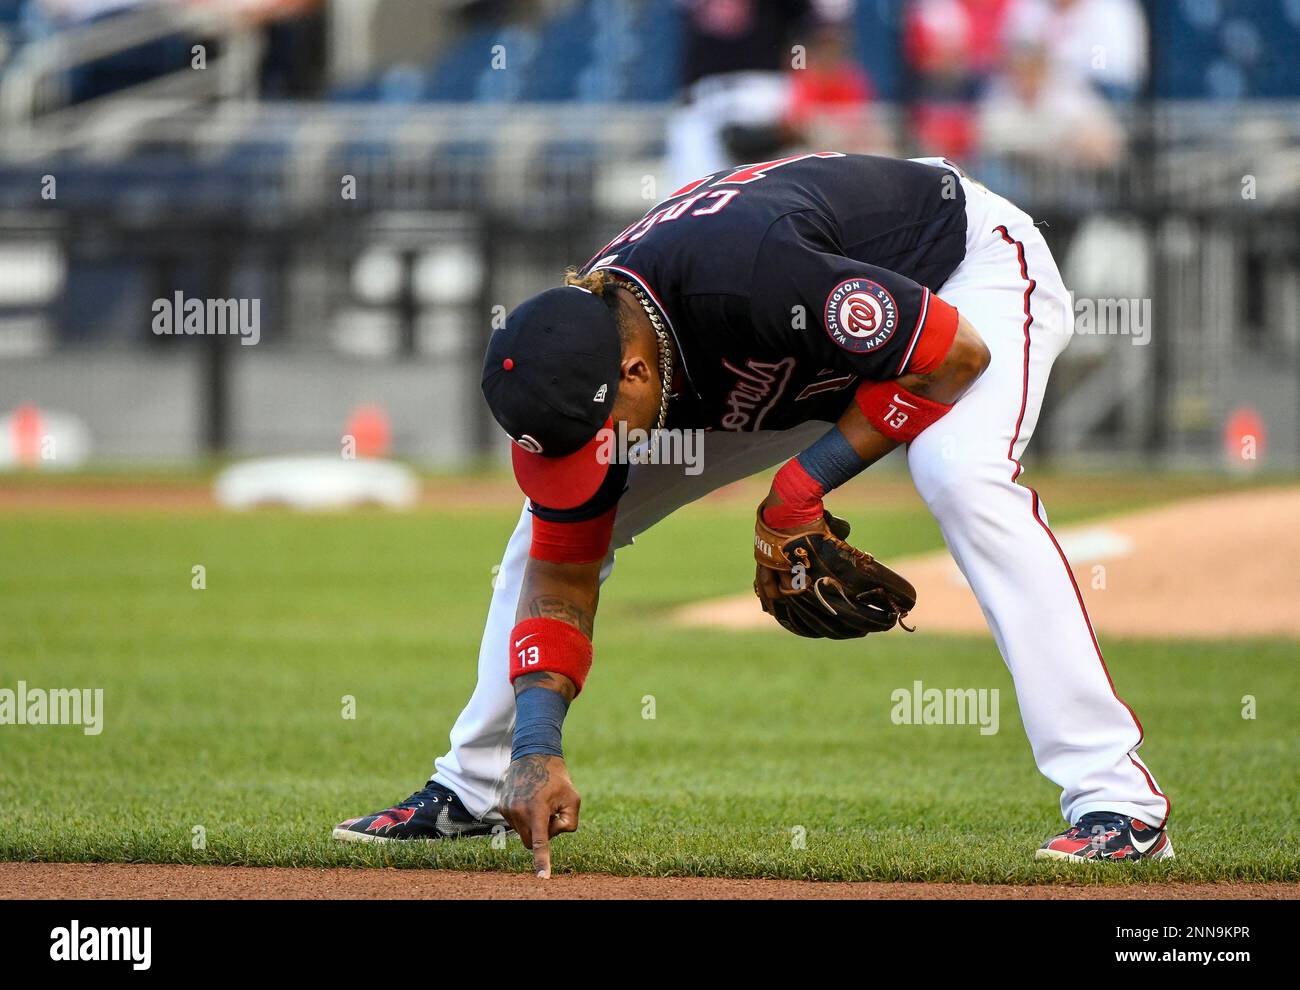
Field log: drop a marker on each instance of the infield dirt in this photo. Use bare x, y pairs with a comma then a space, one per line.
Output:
132, 881
1221, 566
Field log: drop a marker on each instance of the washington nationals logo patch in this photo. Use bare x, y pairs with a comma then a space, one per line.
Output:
861, 315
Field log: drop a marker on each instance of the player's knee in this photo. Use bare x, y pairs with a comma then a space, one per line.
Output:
956, 481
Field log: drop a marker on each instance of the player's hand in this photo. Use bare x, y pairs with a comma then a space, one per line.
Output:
539, 803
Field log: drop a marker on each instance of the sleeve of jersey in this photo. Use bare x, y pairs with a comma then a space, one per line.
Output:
581, 535
863, 318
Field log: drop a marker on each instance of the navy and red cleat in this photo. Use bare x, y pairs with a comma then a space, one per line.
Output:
434, 812
1107, 835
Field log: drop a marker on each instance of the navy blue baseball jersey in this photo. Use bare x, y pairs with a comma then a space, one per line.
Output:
787, 283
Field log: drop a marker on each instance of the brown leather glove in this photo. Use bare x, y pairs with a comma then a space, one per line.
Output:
816, 585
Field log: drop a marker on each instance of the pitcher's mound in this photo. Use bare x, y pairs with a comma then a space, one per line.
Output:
1221, 566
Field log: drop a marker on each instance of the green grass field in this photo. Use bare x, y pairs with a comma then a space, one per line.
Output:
223, 709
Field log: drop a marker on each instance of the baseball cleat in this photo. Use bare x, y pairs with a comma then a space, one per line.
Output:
1107, 835
432, 813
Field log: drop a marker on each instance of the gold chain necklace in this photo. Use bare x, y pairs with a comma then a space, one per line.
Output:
665, 348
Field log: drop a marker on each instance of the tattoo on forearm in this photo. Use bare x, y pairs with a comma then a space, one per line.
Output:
544, 678
551, 607
526, 776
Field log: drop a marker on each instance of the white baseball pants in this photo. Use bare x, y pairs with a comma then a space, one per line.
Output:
965, 466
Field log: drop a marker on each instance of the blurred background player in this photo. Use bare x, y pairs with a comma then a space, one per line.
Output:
830, 96
1103, 42
1038, 111
736, 84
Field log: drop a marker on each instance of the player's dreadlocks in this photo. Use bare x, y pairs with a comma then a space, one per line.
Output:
595, 282
599, 283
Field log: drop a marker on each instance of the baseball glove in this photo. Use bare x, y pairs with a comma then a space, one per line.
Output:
816, 585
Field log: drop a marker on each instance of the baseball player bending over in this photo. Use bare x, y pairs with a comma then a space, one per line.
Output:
898, 301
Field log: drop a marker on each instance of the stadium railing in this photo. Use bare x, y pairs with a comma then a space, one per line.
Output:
460, 210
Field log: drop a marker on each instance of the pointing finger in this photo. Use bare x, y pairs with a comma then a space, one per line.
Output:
541, 843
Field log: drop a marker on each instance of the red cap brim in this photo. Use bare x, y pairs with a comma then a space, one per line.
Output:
562, 482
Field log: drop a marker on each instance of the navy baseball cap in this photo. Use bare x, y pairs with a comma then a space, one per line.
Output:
550, 377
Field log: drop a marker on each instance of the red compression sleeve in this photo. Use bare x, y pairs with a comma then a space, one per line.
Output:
572, 542
895, 412
800, 495
551, 645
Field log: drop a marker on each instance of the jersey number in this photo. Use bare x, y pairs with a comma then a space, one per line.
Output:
703, 198
752, 173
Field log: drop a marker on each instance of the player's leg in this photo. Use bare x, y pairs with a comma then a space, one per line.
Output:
480, 739
965, 467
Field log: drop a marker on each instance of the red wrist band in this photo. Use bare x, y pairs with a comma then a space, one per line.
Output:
572, 542
800, 495
550, 645
896, 412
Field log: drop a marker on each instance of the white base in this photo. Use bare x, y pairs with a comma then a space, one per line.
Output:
317, 483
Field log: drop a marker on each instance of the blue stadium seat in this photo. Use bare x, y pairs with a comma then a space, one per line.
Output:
359, 91
563, 47
455, 76
653, 73
879, 41
1226, 51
